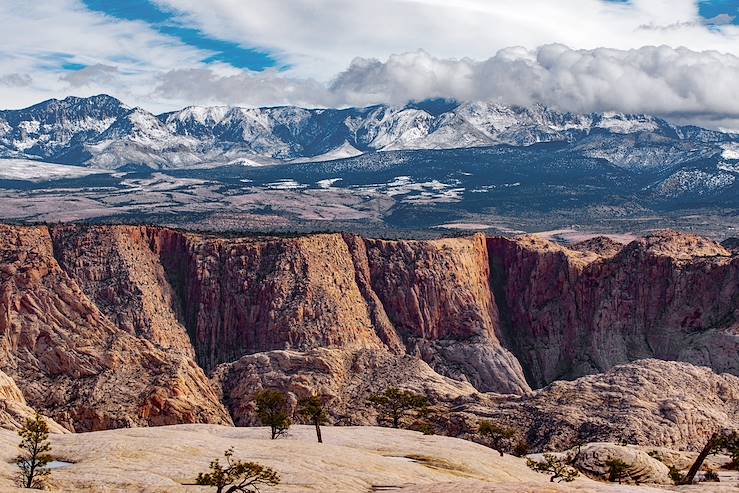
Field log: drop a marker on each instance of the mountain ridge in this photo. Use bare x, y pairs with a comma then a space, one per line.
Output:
101, 131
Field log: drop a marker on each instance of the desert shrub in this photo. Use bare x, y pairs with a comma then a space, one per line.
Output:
676, 476
710, 475
559, 470
237, 477
617, 469
498, 436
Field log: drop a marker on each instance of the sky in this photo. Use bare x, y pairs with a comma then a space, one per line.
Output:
674, 58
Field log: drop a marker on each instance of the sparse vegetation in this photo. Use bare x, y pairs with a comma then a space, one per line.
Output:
34, 458
617, 470
521, 448
710, 476
393, 405
237, 477
675, 474
312, 409
558, 469
498, 436
272, 411
718, 442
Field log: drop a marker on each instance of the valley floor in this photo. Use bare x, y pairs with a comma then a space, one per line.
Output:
352, 459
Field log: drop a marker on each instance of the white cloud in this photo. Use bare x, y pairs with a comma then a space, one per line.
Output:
679, 83
339, 54
320, 38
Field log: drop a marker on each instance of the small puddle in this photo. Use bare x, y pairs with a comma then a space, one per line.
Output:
58, 464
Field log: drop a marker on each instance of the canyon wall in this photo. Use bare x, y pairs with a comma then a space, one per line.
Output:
110, 326
568, 313
73, 363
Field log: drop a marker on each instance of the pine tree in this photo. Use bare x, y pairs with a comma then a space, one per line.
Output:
393, 405
272, 411
35, 456
311, 408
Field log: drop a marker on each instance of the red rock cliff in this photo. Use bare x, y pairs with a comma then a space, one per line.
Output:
565, 313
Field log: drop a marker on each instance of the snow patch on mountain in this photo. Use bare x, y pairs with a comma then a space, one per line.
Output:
37, 171
694, 181
730, 150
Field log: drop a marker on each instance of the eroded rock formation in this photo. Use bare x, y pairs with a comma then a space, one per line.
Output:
568, 313
111, 326
73, 363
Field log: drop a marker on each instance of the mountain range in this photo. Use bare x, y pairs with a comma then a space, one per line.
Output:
102, 132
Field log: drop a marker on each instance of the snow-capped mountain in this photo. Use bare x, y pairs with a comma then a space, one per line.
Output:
100, 131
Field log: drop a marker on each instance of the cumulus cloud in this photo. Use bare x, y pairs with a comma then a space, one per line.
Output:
206, 86
673, 82
319, 38
659, 80
15, 80
98, 74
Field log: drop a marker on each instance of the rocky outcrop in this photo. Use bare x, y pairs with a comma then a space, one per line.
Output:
592, 459
73, 363
648, 402
568, 313
13, 408
343, 379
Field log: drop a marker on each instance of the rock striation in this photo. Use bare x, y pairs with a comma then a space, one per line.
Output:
648, 402
568, 313
114, 326
73, 363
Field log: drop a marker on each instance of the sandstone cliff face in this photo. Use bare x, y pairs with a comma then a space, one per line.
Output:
241, 296
567, 313
72, 363
119, 273
432, 299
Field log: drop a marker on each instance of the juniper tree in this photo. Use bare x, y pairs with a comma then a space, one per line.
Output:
393, 404
272, 411
497, 435
558, 469
237, 477
717, 442
33, 459
312, 409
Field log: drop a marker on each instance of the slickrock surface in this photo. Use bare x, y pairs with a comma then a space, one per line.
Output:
565, 314
73, 364
649, 402
351, 459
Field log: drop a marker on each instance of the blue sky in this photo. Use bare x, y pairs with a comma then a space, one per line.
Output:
167, 23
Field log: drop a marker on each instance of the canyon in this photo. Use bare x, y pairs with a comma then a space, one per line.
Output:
123, 326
